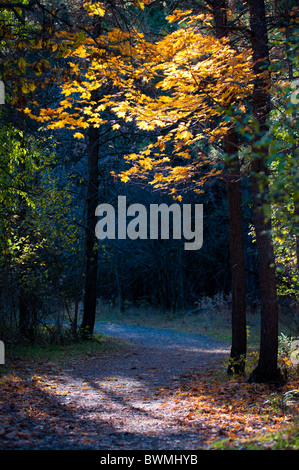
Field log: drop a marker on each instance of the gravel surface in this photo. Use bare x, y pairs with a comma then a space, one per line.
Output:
127, 400
158, 338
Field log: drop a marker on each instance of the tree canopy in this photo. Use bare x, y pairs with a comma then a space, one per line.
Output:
155, 102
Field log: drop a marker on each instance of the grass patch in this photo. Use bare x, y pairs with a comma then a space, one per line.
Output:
284, 439
212, 319
98, 346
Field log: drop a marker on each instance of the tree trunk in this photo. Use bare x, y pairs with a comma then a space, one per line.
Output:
91, 253
238, 288
234, 194
267, 370
180, 301
24, 317
296, 228
119, 287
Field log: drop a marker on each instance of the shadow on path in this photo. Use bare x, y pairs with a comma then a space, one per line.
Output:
125, 401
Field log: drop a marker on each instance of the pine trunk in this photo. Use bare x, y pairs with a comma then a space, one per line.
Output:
238, 288
267, 370
91, 253
234, 195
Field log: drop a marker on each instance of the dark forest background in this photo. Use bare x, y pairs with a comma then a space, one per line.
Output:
44, 179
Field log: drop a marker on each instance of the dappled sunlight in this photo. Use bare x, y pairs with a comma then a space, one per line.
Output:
196, 350
134, 400
165, 390
232, 408
204, 406
125, 404
149, 215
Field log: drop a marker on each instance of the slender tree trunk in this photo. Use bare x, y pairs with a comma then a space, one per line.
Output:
234, 194
24, 316
91, 253
91, 243
296, 229
180, 280
267, 370
119, 287
76, 314
238, 288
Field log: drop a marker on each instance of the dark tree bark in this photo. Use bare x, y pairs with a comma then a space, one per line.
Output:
180, 304
234, 195
238, 288
91, 243
267, 370
91, 253
296, 229
119, 287
220, 16
24, 317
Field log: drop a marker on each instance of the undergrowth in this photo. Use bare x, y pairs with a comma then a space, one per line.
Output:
97, 346
211, 316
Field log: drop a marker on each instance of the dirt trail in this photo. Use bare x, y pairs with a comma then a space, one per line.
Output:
123, 401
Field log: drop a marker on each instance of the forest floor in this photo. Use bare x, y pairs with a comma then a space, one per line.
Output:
155, 389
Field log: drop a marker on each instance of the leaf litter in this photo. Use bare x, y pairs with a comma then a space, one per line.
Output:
160, 395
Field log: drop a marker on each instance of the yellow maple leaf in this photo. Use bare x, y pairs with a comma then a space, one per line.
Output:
79, 135
176, 15
96, 9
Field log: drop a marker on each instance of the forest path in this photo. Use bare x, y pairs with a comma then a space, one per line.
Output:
126, 400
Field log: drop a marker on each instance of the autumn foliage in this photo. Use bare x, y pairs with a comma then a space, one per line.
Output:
180, 88
161, 102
